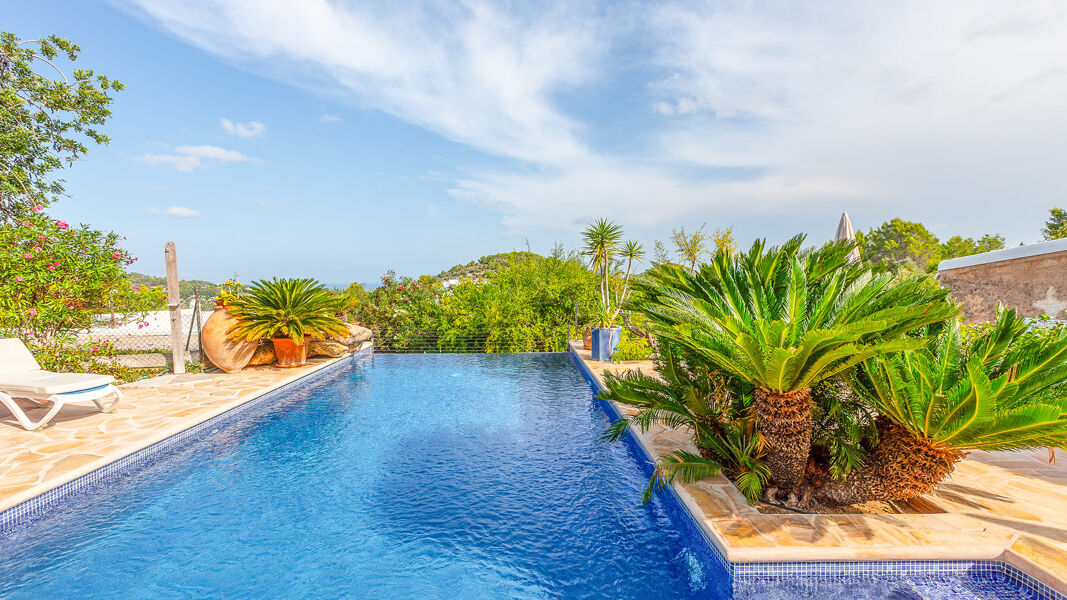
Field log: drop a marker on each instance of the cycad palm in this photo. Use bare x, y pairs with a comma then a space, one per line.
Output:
784, 319
690, 396
1006, 390
291, 308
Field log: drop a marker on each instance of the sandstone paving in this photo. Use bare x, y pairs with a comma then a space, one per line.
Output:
1009, 506
81, 439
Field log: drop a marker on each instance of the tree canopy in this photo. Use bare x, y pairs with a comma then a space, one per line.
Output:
46, 118
1056, 226
910, 245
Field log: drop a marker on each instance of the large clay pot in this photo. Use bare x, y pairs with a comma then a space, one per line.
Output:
587, 339
223, 351
289, 353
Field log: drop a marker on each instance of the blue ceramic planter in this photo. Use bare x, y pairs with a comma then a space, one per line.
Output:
605, 340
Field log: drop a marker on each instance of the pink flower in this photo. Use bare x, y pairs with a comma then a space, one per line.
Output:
136, 288
135, 259
62, 224
400, 287
56, 263
36, 248
33, 312
38, 208
51, 267
18, 277
27, 255
70, 307
116, 255
42, 238
95, 348
140, 326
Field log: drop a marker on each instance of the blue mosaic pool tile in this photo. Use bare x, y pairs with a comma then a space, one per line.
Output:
38, 506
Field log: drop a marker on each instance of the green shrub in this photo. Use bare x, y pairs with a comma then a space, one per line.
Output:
631, 347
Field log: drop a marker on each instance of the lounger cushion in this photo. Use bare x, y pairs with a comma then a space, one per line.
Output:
14, 357
46, 383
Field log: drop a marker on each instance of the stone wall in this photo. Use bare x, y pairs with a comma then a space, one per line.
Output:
1031, 279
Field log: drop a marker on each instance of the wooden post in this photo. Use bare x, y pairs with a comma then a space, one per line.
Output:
174, 304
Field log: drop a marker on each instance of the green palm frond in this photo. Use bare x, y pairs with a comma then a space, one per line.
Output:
684, 466
786, 318
1004, 390
291, 308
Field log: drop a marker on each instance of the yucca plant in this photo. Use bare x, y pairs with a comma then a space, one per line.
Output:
784, 319
286, 308
1004, 390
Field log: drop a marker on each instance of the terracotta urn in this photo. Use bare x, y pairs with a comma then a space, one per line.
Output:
224, 352
587, 339
289, 353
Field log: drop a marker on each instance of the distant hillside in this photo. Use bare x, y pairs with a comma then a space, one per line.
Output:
487, 264
186, 288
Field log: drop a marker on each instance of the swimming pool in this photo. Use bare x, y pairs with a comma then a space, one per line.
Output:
428, 476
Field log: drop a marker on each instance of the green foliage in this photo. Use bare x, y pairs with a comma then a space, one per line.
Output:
899, 242
906, 246
784, 319
606, 252
1004, 389
64, 354
631, 347
402, 311
958, 246
690, 394
682, 465
690, 247
187, 288
1056, 226
843, 427
525, 306
45, 119
286, 308
55, 278
481, 268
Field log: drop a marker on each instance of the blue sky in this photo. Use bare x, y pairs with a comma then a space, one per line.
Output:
341, 139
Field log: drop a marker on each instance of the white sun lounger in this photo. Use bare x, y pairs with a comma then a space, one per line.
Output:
22, 377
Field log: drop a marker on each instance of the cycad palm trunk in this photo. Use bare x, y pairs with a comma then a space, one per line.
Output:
901, 467
785, 422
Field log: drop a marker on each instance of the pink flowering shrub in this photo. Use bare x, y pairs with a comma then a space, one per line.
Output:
55, 278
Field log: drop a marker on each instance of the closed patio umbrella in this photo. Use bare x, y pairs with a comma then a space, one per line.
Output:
846, 232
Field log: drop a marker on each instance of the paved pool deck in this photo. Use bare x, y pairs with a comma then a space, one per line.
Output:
81, 439
1008, 506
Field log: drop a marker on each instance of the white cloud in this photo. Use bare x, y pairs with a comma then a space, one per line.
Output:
329, 119
176, 211
190, 158
914, 109
251, 129
268, 204
473, 72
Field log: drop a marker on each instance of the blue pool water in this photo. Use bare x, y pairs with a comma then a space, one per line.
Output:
430, 476
427, 476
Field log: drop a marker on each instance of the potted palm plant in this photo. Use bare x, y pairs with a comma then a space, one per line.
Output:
605, 249
288, 312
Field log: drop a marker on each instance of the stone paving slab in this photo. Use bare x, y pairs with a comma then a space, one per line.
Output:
80, 439
1009, 506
